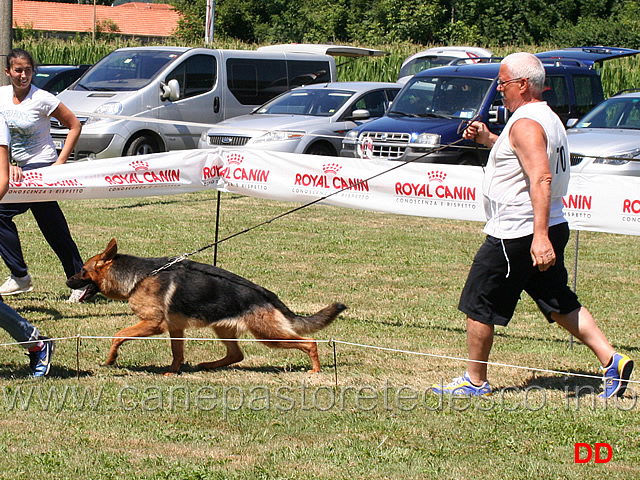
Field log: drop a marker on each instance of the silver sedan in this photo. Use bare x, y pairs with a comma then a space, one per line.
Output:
607, 139
311, 119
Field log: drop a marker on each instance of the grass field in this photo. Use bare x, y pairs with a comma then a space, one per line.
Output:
267, 418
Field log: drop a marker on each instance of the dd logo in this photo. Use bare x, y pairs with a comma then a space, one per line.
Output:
589, 452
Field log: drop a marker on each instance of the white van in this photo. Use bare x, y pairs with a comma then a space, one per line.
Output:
438, 57
176, 86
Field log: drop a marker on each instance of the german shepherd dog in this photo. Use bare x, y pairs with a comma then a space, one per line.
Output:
190, 294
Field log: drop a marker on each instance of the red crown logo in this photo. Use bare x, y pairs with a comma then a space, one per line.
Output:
331, 168
235, 158
436, 176
32, 177
139, 165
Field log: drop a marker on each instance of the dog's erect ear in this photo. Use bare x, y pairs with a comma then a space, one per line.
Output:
111, 250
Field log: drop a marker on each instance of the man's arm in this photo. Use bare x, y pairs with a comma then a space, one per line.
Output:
528, 139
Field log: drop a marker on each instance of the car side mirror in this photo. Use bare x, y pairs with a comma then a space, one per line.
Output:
170, 90
360, 114
499, 115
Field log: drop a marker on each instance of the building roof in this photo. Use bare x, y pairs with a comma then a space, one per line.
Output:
136, 19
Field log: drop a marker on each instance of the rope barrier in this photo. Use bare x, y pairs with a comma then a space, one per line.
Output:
331, 342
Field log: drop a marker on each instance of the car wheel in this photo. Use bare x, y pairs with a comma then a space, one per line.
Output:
142, 145
321, 149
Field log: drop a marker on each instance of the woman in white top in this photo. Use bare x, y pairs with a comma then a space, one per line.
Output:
27, 111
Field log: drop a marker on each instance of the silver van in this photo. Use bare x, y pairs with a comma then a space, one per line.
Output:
182, 90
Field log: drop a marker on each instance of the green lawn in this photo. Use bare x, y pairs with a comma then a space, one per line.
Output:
267, 418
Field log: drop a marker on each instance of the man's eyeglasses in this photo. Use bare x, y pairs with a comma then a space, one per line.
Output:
502, 84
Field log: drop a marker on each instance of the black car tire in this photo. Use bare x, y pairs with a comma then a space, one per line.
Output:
142, 145
321, 149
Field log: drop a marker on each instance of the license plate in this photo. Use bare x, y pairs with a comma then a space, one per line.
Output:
58, 144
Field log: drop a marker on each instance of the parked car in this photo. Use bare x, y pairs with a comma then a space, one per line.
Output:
607, 139
180, 90
55, 78
311, 119
438, 57
430, 108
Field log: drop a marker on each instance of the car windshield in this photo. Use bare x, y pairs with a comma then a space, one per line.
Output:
423, 63
621, 112
447, 97
126, 70
315, 102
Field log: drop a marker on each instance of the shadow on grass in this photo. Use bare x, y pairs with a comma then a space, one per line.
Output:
188, 368
9, 372
578, 386
180, 201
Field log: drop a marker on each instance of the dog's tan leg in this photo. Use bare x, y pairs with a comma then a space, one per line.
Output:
234, 354
307, 345
140, 329
177, 349
271, 325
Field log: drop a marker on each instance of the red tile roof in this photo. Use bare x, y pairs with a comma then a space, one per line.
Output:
138, 19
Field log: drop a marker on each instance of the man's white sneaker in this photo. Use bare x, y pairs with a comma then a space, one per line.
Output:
14, 285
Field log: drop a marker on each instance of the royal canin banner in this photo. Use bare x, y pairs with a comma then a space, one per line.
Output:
597, 203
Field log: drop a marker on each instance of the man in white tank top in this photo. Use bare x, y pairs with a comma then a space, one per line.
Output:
525, 180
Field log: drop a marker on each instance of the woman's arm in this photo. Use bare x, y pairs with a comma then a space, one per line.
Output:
69, 120
4, 170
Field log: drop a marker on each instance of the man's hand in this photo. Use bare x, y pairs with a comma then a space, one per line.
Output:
542, 253
478, 132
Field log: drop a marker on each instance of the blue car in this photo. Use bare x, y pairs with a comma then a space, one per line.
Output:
55, 78
429, 112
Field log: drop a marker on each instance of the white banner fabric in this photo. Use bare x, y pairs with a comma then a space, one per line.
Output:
605, 203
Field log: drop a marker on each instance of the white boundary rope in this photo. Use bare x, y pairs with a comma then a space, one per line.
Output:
78, 338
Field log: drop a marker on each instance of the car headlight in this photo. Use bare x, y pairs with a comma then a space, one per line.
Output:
619, 158
610, 161
109, 108
278, 136
351, 137
427, 140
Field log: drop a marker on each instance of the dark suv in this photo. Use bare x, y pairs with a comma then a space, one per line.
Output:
428, 111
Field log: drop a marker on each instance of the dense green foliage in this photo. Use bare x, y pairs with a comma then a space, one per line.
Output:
481, 22
616, 75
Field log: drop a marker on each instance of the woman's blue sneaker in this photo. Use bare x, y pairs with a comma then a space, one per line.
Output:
40, 361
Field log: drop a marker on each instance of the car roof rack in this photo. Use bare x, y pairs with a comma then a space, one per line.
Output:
559, 62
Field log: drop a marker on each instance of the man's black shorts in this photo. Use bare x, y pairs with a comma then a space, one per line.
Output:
490, 296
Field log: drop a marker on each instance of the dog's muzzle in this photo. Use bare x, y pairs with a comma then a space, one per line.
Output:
90, 288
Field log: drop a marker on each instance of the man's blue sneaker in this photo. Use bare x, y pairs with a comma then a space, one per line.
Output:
40, 361
616, 375
462, 386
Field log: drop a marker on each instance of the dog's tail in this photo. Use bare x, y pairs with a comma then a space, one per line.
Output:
305, 325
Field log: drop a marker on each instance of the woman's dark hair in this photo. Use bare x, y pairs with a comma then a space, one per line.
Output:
19, 53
